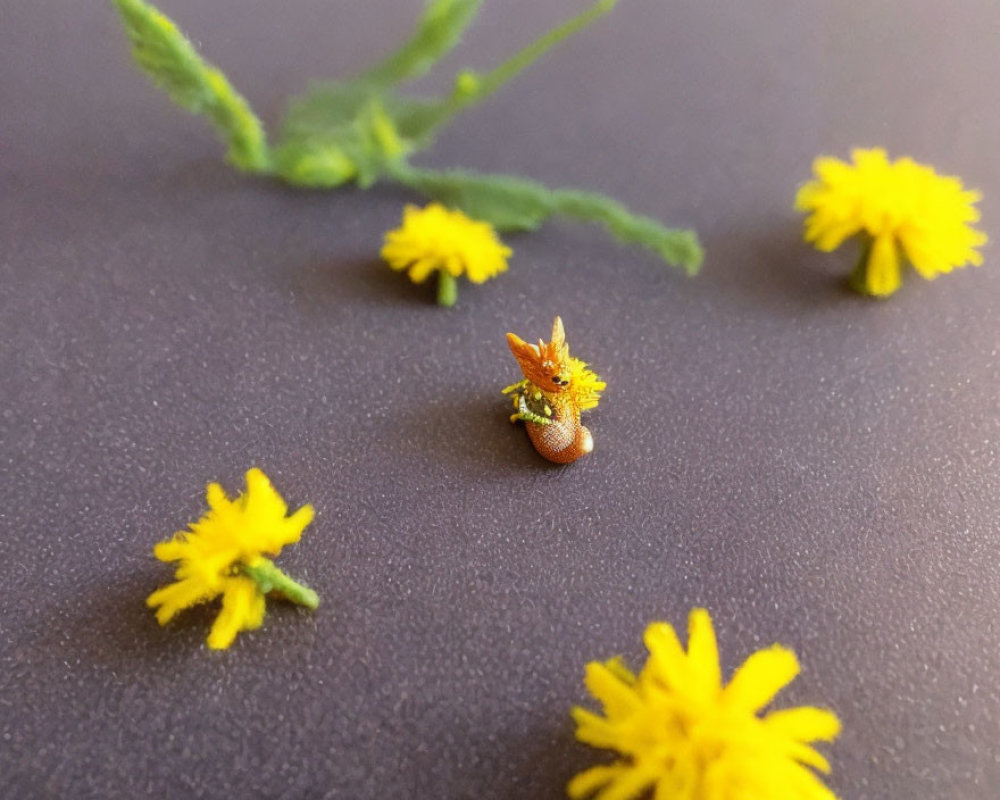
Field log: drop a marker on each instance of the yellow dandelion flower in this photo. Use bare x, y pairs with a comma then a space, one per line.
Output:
898, 208
584, 384
224, 552
682, 734
437, 239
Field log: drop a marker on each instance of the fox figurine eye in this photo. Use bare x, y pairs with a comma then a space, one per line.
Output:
555, 389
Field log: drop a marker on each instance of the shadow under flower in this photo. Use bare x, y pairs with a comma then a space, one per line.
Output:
331, 281
108, 625
772, 265
533, 761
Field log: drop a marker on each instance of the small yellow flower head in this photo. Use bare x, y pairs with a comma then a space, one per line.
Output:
585, 385
682, 734
898, 208
436, 239
223, 554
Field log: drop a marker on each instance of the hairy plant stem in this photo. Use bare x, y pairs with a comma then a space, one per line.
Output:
858, 277
270, 578
447, 292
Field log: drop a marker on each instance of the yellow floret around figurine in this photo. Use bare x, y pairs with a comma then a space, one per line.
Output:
225, 553
681, 733
899, 209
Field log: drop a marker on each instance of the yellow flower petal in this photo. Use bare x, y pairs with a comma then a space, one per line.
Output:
762, 676
422, 268
215, 495
242, 606
594, 730
589, 781
805, 754
177, 596
172, 550
616, 666
617, 697
703, 652
806, 724
668, 661
628, 785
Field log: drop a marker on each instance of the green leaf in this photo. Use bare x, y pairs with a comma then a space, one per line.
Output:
673, 245
324, 107
160, 48
517, 204
360, 148
506, 202
314, 162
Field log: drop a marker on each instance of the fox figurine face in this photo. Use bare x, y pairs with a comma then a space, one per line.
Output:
545, 364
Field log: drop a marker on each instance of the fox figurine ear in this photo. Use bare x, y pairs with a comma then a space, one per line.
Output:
520, 348
558, 335
558, 349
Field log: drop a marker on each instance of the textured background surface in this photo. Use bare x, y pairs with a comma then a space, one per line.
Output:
815, 468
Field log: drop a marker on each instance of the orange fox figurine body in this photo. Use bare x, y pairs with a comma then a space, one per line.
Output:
555, 389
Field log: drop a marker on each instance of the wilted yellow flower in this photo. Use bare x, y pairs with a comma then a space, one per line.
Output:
223, 553
437, 239
899, 208
682, 734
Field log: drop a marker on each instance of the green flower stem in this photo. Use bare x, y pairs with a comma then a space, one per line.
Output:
271, 579
471, 91
447, 288
437, 32
858, 277
472, 88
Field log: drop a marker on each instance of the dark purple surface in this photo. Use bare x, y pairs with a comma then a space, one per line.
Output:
815, 468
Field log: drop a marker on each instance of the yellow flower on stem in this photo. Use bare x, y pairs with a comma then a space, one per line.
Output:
899, 209
437, 239
224, 552
683, 734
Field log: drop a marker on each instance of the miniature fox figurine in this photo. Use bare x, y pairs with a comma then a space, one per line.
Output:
555, 389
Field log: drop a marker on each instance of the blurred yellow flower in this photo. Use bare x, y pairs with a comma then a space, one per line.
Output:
682, 734
446, 241
223, 553
899, 208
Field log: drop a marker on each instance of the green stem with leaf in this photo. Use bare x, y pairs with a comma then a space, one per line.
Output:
858, 279
269, 578
365, 130
520, 204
